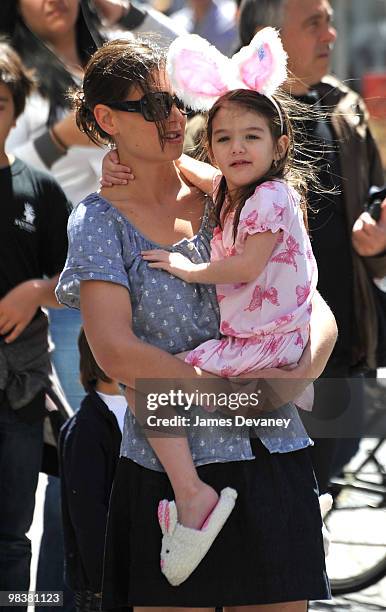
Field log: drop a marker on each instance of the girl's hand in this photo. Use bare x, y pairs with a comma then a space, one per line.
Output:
114, 173
174, 263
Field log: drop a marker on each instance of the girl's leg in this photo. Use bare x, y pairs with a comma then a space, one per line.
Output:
290, 606
194, 498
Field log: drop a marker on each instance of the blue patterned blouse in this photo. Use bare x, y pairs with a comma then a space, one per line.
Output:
168, 313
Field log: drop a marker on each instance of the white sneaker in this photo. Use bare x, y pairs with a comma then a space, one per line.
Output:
184, 548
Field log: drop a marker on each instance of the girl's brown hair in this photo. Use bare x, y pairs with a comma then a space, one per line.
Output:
288, 168
110, 75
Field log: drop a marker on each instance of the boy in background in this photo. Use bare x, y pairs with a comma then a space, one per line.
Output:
88, 453
33, 248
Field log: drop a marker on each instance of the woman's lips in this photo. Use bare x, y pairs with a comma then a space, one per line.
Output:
174, 137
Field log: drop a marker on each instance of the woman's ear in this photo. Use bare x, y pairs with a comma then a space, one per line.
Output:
282, 146
105, 118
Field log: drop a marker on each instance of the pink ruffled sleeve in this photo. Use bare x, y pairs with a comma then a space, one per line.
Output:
270, 208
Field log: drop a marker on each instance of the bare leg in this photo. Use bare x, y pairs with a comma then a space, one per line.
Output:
194, 498
291, 606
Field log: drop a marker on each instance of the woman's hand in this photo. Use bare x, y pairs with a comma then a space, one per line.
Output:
174, 263
113, 172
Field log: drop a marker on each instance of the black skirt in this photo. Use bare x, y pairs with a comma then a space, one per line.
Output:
269, 551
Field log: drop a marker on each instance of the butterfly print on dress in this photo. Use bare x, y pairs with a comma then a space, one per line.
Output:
279, 210
250, 220
259, 294
288, 255
227, 371
302, 293
284, 319
227, 330
195, 357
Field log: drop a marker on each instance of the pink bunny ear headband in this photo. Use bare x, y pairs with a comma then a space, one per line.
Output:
200, 74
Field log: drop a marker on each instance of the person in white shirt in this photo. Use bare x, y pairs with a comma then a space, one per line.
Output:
138, 19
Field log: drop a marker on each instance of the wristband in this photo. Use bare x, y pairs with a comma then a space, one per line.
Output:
48, 149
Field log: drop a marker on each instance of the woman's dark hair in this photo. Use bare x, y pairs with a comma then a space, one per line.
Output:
109, 76
90, 372
54, 79
288, 168
15, 76
254, 14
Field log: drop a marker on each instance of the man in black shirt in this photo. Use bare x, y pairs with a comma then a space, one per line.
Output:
350, 248
33, 247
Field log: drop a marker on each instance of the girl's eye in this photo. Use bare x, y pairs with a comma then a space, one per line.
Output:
222, 139
252, 137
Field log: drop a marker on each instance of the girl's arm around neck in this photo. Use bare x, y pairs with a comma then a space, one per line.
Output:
200, 174
239, 268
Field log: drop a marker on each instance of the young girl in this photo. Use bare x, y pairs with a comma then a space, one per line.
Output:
261, 258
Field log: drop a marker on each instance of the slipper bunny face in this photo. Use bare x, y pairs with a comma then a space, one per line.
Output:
167, 518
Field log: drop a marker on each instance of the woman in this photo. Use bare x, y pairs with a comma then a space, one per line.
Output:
270, 551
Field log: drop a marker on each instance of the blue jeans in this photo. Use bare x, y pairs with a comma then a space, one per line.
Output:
64, 331
21, 446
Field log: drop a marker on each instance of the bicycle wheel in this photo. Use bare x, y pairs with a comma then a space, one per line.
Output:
357, 525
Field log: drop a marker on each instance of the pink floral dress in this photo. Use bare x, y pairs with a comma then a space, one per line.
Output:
265, 322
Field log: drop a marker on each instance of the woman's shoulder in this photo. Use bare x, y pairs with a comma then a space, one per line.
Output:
91, 210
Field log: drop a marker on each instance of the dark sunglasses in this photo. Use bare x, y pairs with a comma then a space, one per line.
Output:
155, 106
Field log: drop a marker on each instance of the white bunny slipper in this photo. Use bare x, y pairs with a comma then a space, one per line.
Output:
325, 503
184, 548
